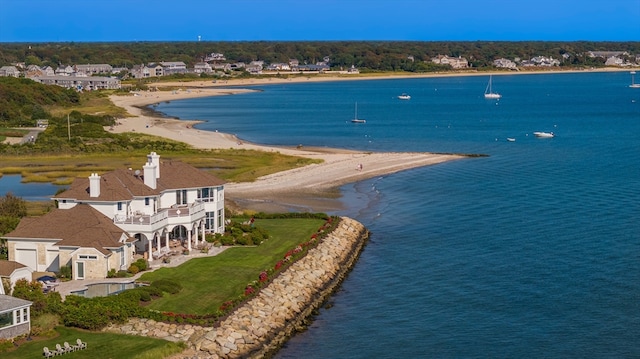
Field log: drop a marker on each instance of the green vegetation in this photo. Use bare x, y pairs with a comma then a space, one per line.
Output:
229, 165
368, 56
99, 345
209, 282
23, 101
12, 209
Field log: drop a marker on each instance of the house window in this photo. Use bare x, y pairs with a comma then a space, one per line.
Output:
220, 214
146, 201
18, 316
86, 256
119, 206
6, 319
206, 194
181, 196
210, 221
123, 258
25, 314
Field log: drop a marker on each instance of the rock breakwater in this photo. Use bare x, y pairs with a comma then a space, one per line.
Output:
260, 326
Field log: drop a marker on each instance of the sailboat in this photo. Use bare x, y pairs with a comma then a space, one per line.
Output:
633, 84
355, 117
488, 92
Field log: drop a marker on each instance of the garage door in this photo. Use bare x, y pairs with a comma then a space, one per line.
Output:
27, 257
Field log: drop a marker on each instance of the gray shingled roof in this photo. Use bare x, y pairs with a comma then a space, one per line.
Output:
8, 302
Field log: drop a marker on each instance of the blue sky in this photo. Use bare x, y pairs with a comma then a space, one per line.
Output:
293, 20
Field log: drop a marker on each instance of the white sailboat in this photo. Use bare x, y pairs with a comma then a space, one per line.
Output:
355, 117
633, 84
488, 92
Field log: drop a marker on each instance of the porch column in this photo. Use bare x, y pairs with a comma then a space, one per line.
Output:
202, 232
195, 236
166, 236
150, 241
189, 240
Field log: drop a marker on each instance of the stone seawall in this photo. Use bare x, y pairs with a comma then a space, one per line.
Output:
260, 326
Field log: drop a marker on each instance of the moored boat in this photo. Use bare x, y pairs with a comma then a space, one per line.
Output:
404, 96
544, 134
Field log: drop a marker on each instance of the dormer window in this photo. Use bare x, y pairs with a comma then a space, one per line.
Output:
119, 206
146, 201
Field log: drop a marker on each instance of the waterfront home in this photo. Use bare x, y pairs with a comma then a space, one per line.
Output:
455, 62
15, 317
103, 221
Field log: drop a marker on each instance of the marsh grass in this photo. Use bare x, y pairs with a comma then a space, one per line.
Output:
230, 165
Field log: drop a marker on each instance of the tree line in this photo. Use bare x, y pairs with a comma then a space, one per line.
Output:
365, 55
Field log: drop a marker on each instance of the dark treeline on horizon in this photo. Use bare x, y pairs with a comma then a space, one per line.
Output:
365, 55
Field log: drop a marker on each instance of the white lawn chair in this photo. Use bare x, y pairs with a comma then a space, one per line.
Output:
81, 344
59, 350
68, 348
47, 353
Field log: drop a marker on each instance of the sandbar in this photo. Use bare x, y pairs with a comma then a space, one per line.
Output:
309, 188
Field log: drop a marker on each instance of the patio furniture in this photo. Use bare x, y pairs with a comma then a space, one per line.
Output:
68, 348
81, 344
47, 353
59, 350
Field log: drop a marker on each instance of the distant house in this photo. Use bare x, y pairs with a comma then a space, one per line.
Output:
11, 272
454, 62
9, 71
15, 317
93, 69
214, 57
505, 64
313, 68
615, 61
64, 70
202, 67
278, 66
606, 54
80, 83
173, 67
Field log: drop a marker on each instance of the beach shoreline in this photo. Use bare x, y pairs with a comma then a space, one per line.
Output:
310, 188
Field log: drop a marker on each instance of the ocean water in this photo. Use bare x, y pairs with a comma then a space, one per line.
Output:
533, 251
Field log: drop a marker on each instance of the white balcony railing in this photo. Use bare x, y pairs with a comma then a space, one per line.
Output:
173, 214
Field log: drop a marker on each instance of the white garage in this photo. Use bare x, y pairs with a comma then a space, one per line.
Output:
28, 257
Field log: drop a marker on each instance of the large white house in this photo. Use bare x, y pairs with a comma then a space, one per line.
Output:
103, 221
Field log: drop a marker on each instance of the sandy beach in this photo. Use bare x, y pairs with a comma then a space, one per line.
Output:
309, 188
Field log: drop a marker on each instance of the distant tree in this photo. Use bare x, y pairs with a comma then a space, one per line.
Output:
12, 206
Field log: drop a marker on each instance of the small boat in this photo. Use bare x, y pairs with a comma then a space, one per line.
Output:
544, 134
511, 139
488, 92
404, 96
355, 117
633, 84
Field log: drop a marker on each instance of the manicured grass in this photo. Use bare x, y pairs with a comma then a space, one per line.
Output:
99, 345
209, 282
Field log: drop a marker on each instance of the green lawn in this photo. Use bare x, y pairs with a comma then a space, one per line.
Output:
99, 345
209, 282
